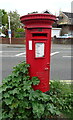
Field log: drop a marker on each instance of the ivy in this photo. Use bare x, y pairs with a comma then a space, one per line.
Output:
35, 81
21, 102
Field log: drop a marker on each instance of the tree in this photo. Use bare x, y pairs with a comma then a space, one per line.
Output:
3, 18
14, 20
20, 32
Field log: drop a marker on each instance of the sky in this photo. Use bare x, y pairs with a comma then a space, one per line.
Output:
26, 6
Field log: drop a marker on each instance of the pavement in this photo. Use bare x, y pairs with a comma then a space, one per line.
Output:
23, 46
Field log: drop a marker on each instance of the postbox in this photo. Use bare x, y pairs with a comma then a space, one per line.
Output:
38, 47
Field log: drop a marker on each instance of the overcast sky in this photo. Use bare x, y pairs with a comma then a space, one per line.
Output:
26, 6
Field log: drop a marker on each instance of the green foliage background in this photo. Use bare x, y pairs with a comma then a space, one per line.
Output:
15, 22
3, 17
20, 32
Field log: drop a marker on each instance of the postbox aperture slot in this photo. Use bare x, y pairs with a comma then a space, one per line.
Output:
39, 50
39, 34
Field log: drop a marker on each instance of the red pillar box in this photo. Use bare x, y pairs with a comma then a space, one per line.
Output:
38, 45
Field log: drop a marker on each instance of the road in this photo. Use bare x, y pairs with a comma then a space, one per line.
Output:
60, 60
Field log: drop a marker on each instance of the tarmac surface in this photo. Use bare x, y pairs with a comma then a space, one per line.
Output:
61, 60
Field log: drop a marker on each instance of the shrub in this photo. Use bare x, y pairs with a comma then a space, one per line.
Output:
20, 32
62, 96
21, 102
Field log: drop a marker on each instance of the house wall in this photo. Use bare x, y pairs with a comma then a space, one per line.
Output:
65, 29
71, 29
55, 32
65, 23
63, 19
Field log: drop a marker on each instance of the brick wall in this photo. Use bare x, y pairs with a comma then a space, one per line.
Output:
63, 40
13, 41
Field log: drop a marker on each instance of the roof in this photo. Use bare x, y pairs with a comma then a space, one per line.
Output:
70, 15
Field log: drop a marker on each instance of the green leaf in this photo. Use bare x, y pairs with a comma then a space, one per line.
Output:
45, 97
6, 95
27, 85
38, 109
25, 78
5, 115
10, 114
20, 96
57, 112
7, 79
8, 101
35, 80
25, 104
14, 104
4, 87
15, 91
51, 108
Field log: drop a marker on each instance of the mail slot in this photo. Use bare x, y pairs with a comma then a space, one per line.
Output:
39, 34
38, 47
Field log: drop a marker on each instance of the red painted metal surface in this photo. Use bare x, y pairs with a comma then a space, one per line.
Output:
38, 46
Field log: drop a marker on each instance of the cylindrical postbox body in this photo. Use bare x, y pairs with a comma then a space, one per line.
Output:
38, 45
